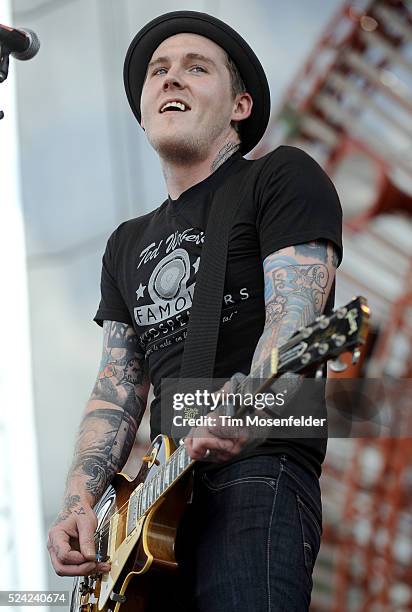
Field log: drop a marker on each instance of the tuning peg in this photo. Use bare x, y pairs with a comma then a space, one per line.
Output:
305, 332
339, 339
323, 321
337, 365
323, 348
355, 355
341, 312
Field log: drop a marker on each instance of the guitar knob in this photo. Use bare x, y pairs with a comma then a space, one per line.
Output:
337, 365
305, 359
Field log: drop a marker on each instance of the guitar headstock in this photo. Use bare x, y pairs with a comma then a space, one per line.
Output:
327, 337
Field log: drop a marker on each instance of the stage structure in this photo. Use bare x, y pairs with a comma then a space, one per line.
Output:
350, 107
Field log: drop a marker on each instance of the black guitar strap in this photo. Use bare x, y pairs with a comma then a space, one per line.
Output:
204, 322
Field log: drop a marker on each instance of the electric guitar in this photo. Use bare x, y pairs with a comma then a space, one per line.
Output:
138, 519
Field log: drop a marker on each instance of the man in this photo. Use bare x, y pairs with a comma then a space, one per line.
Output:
252, 532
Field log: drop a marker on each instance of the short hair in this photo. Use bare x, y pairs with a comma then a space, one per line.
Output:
237, 85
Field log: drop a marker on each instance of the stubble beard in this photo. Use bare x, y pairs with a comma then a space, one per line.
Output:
185, 149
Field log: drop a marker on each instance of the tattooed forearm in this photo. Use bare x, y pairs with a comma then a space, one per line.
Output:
113, 414
224, 154
105, 439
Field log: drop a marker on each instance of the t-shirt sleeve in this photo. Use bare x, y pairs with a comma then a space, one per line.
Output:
112, 306
297, 203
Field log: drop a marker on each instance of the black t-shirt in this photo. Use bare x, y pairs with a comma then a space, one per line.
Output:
150, 265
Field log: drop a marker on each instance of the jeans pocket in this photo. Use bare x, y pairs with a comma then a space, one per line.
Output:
225, 484
311, 533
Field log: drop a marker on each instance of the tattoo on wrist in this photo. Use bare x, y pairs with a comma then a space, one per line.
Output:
69, 506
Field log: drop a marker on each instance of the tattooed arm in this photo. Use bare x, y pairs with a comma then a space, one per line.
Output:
298, 280
107, 432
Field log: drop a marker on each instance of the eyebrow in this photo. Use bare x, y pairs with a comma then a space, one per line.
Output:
188, 56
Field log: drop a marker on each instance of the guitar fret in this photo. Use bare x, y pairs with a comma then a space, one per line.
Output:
157, 485
167, 475
181, 460
150, 494
144, 499
139, 503
172, 469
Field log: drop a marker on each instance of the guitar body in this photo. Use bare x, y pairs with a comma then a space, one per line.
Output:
138, 559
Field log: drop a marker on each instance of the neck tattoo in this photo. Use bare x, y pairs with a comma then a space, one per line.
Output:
224, 154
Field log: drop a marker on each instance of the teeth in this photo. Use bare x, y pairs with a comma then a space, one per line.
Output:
178, 105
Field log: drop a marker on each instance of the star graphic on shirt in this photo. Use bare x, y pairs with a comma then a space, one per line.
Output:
196, 264
140, 291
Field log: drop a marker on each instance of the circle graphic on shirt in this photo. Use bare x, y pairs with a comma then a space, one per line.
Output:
168, 279
170, 276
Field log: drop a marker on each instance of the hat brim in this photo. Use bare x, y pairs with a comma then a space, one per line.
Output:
156, 31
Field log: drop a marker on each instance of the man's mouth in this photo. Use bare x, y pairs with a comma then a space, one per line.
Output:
174, 105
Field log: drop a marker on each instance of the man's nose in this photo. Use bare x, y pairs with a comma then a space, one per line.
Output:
172, 80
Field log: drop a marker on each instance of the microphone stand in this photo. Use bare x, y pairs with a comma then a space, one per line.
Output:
4, 67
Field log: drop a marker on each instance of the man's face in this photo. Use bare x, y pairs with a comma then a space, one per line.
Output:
189, 69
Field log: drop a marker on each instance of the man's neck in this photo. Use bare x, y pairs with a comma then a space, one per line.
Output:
179, 177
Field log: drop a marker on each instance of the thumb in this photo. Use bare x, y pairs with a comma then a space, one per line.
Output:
232, 385
86, 527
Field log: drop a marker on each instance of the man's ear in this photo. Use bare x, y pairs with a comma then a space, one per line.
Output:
242, 107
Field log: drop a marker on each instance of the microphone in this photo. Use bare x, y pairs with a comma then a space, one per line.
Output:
21, 44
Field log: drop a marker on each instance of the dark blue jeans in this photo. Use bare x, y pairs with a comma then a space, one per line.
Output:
249, 540
254, 531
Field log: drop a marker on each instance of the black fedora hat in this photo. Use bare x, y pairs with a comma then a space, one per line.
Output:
156, 31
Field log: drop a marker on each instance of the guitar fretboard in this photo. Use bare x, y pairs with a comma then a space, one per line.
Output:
148, 494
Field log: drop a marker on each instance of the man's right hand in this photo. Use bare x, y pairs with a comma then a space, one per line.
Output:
71, 540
